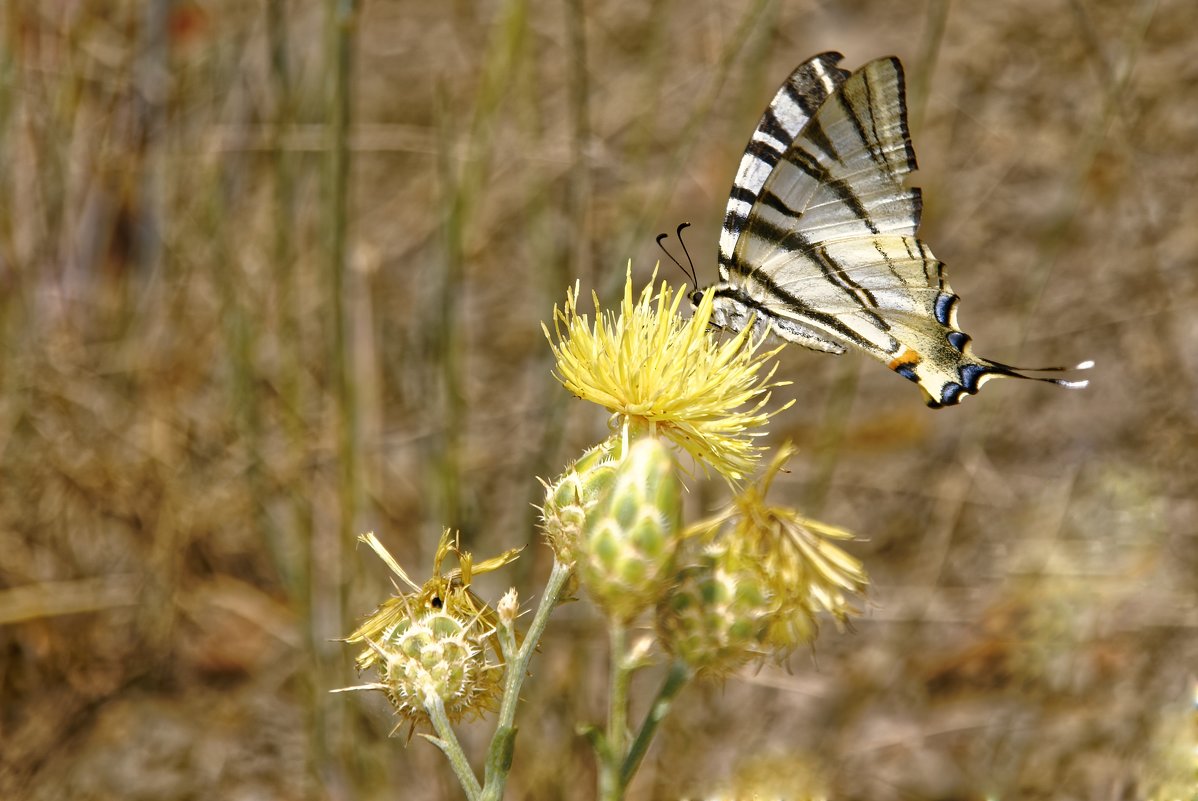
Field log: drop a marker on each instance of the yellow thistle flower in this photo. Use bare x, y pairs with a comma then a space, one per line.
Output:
665, 375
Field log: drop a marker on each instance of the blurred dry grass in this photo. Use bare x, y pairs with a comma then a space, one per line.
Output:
189, 438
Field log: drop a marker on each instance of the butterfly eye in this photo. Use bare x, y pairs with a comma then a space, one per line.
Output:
696, 297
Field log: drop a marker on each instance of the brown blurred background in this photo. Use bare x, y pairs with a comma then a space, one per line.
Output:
272, 274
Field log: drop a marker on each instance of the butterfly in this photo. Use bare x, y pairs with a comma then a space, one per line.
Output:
819, 240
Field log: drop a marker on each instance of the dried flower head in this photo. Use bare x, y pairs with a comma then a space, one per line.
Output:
788, 559
669, 376
436, 654
437, 641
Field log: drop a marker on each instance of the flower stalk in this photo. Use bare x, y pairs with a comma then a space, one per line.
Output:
517, 672
611, 786
678, 676
447, 741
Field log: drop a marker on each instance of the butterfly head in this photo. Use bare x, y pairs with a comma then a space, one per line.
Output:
731, 309
719, 317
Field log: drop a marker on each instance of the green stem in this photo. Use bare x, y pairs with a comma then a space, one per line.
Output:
678, 677
611, 788
447, 741
517, 670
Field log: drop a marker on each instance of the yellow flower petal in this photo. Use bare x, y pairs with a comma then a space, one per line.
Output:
669, 375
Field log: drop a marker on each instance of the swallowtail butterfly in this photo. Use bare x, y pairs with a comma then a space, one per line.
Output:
819, 239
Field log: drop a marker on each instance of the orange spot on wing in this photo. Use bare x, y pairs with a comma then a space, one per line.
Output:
907, 358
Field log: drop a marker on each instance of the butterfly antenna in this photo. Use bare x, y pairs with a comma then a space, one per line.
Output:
693, 276
671, 255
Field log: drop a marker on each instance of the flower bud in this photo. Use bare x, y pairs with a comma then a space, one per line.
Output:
571, 496
631, 534
508, 608
717, 615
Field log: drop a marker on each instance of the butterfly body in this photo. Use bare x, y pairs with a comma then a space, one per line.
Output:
819, 243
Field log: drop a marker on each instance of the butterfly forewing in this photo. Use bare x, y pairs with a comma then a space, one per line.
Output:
786, 116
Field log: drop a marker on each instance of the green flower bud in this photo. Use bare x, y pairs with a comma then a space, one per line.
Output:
631, 534
717, 615
571, 496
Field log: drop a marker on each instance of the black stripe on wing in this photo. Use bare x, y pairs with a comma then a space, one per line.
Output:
862, 103
800, 308
772, 129
831, 271
858, 113
815, 133
806, 89
908, 146
809, 165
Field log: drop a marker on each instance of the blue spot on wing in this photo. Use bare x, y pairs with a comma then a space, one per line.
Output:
944, 307
958, 340
951, 393
970, 373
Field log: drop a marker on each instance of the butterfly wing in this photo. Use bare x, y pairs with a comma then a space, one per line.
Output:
826, 250
785, 117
